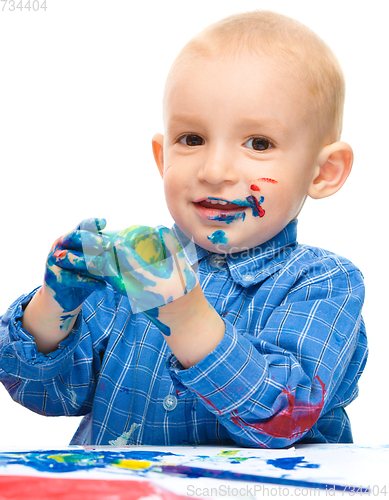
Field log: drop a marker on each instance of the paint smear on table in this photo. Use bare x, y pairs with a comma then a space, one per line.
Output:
43, 488
61, 461
291, 463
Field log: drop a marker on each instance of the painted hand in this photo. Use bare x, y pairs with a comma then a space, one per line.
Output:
147, 265
70, 272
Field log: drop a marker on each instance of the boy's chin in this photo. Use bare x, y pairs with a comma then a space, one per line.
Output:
218, 242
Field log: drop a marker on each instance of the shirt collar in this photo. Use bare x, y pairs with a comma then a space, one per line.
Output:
251, 266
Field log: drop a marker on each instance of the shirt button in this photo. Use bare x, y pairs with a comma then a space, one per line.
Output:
170, 402
248, 278
217, 261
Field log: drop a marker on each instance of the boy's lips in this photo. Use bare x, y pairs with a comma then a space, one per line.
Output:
218, 204
208, 209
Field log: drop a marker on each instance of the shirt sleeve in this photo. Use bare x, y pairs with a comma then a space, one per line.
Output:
299, 361
58, 383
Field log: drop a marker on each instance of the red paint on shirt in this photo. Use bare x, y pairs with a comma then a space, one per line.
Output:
253, 187
292, 421
208, 402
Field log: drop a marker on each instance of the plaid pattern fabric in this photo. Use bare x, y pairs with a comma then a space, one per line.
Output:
293, 351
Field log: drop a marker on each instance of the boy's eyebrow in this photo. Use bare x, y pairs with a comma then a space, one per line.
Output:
272, 123
185, 118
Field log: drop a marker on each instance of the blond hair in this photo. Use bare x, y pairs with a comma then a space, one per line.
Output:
297, 51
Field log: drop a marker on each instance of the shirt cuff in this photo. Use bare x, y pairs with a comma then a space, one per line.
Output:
227, 377
20, 357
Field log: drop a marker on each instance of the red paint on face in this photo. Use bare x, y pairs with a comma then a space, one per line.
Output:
292, 421
253, 187
267, 179
261, 211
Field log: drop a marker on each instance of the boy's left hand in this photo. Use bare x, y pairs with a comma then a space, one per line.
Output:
147, 265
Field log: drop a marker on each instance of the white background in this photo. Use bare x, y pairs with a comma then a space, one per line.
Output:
80, 98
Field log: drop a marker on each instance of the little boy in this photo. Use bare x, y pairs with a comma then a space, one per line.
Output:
264, 344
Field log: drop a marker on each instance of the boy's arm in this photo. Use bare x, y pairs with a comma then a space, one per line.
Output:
43, 318
52, 384
296, 366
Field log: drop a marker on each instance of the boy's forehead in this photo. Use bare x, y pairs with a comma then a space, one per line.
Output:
192, 79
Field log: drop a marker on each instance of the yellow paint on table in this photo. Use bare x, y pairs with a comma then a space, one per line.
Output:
132, 464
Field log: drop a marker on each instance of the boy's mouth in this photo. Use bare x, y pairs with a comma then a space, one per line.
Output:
218, 209
219, 205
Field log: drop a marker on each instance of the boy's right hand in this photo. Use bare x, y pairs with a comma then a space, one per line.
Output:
70, 278
69, 268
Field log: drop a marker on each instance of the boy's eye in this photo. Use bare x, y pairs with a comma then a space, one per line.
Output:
191, 140
259, 143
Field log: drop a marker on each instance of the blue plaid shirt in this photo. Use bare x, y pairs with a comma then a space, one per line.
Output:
293, 350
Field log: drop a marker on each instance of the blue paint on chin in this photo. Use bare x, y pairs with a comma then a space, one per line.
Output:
228, 218
291, 463
218, 237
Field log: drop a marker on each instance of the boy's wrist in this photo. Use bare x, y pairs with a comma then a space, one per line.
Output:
196, 328
187, 308
44, 319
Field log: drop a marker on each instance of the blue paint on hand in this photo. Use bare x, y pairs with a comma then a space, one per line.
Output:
148, 266
67, 273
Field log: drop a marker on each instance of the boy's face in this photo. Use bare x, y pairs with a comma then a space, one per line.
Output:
237, 157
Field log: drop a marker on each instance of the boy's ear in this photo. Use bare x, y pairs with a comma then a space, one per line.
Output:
157, 142
333, 166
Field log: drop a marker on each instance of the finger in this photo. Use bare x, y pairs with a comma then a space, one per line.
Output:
174, 249
88, 232
87, 282
169, 240
88, 242
77, 262
91, 224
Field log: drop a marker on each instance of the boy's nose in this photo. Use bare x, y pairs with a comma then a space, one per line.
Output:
218, 167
